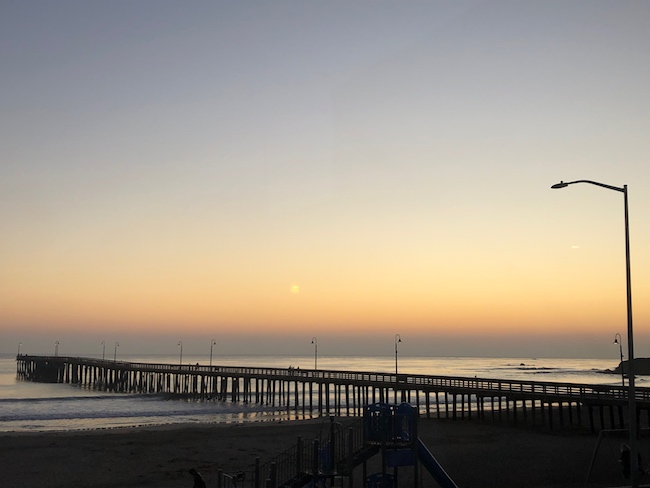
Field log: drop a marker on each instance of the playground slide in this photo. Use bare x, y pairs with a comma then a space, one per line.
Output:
433, 466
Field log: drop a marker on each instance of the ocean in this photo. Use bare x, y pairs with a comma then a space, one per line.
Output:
35, 407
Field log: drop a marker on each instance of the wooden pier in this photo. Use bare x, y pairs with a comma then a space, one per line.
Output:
333, 392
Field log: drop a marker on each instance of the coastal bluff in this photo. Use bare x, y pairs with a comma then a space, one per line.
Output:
641, 367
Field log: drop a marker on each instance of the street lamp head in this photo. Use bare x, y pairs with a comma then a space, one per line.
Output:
561, 184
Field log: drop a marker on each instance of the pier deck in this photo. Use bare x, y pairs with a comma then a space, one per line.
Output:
346, 392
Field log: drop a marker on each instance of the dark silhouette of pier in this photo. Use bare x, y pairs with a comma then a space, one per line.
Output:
333, 392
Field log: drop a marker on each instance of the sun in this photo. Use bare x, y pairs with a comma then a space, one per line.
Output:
295, 288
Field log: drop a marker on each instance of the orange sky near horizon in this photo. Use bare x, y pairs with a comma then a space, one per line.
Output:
411, 297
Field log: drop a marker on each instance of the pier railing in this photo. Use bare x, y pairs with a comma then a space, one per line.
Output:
346, 392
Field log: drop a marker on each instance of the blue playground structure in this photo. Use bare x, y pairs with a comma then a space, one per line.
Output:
393, 428
384, 439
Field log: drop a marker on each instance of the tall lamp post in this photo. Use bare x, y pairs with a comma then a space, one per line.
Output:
103, 350
314, 341
56, 348
398, 339
117, 344
180, 344
617, 340
213, 343
19, 344
631, 400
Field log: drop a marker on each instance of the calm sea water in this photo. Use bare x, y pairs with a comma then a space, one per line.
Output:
27, 406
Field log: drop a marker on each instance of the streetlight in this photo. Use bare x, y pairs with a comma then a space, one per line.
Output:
634, 461
314, 341
115, 351
19, 344
103, 350
180, 343
213, 343
56, 348
398, 339
617, 340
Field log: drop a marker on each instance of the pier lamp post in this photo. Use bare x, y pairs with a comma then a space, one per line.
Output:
617, 340
19, 344
213, 343
314, 341
56, 348
180, 344
398, 339
631, 397
103, 350
115, 351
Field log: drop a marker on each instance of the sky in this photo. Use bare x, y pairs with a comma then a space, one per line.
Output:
265, 172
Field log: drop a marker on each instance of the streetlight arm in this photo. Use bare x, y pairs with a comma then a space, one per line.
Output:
564, 184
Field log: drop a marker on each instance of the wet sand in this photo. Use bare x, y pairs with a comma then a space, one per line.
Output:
474, 453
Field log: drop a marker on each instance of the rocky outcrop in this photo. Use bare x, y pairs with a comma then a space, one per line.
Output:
641, 367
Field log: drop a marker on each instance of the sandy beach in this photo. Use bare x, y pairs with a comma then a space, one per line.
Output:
474, 453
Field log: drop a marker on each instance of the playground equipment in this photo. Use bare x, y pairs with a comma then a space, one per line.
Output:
385, 439
394, 429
